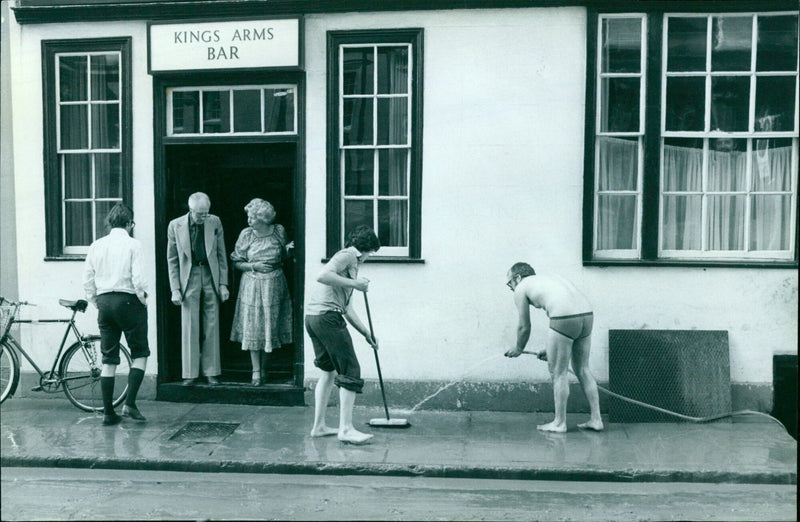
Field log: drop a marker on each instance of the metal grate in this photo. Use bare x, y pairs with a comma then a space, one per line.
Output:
205, 431
684, 371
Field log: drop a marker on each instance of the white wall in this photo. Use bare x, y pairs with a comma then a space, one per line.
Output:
44, 282
502, 182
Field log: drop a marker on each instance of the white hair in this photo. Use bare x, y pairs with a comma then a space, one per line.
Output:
199, 198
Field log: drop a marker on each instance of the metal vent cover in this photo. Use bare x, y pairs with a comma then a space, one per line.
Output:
205, 431
684, 371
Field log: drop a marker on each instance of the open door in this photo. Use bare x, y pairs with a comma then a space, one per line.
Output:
232, 175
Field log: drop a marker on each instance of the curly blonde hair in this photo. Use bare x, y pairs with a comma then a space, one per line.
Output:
261, 209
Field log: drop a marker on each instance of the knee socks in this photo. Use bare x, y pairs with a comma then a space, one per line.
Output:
134, 381
107, 387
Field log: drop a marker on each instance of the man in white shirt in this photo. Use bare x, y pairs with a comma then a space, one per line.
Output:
114, 282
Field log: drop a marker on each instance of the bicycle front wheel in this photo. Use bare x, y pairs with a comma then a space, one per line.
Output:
9, 370
80, 374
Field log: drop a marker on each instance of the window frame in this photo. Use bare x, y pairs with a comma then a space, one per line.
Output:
335, 178
55, 249
650, 235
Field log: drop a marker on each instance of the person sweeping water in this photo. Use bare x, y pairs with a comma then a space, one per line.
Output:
568, 338
327, 309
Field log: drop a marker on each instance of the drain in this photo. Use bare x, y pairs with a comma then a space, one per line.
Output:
205, 431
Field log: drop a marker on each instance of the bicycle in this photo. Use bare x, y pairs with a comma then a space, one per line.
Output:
76, 370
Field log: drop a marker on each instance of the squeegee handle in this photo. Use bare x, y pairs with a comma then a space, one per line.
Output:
377, 361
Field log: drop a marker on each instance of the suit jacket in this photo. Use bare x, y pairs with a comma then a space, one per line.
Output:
179, 252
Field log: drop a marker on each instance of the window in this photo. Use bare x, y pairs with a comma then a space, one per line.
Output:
374, 138
245, 110
87, 139
695, 137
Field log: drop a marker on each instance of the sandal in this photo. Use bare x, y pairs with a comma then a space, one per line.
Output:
256, 381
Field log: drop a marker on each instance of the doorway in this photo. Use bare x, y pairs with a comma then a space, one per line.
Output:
232, 175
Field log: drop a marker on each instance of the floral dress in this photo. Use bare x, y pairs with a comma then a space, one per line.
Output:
263, 316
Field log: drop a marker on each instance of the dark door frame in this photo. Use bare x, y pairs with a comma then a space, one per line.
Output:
161, 82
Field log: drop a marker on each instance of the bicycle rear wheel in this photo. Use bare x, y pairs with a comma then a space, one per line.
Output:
80, 374
9, 370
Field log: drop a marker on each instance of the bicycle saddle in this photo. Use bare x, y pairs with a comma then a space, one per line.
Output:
76, 306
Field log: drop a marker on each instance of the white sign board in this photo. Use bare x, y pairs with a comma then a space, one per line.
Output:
225, 45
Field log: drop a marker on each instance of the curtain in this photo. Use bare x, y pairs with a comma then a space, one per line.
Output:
770, 213
617, 213
398, 135
682, 214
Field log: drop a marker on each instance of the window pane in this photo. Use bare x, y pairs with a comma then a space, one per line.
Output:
216, 112
683, 165
357, 213
686, 39
77, 176
392, 70
730, 100
72, 78
682, 220
278, 110
392, 172
359, 174
105, 77
357, 73
772, 165
622, 45
769, 222
727, 165
618, 163
775, 108
185, 112
105, 126
108, 176
726, 222
78, 223
777, 43
357, 121
732, 41
393, 121
393, 223
685, 104
74, 127
620, 109
617, 222
247, 111
101, 212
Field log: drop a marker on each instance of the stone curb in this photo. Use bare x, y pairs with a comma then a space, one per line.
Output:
405, 470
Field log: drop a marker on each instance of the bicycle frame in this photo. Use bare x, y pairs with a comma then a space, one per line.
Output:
17, 346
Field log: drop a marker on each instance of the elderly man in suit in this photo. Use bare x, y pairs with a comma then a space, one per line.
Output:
198, 278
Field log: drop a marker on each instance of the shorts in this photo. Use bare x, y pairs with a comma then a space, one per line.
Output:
333, 349
120, 312
575, 326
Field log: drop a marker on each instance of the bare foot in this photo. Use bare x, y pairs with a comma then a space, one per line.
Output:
592, 425
553, 426
323, 431
353, 436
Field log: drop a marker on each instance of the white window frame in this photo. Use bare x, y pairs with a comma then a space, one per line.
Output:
387, 251
229, 88
84, 249
707, 134
634, 253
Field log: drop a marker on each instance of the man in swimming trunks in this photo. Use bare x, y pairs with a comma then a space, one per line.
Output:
569, 337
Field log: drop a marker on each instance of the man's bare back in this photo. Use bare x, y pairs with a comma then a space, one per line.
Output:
554, 294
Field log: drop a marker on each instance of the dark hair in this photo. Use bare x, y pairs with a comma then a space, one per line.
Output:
522, 269
364, 239
119, 216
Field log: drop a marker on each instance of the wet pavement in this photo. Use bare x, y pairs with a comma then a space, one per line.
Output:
265, 439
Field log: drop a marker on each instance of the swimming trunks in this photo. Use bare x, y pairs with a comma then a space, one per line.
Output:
575, 326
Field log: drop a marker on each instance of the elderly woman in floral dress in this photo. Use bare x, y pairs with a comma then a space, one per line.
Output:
263, 317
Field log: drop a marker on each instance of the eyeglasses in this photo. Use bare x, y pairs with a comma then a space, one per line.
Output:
510, 285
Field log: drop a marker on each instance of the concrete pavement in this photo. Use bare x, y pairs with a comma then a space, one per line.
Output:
265, 439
